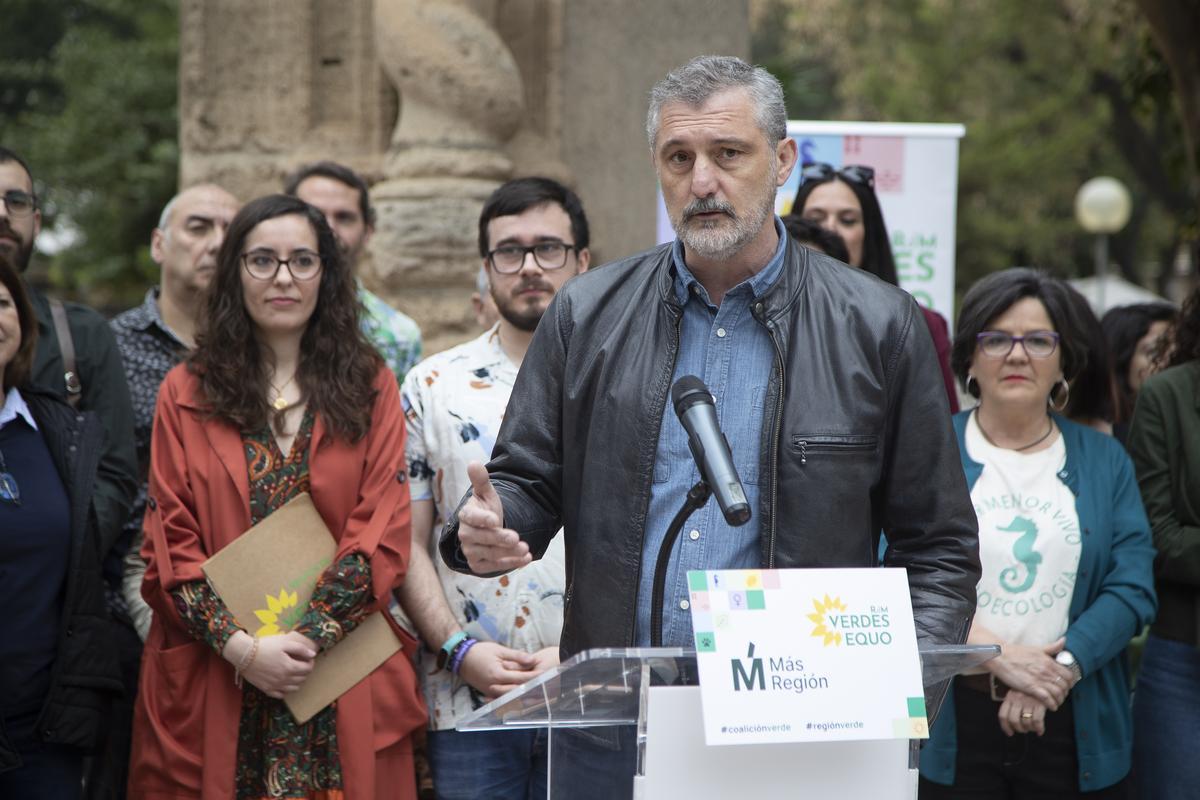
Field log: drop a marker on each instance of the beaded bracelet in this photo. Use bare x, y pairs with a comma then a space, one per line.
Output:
461, 653
245, 663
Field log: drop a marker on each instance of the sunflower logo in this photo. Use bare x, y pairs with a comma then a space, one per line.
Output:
821, 609
274, 614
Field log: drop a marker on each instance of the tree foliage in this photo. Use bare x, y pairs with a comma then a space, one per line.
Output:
1052, 93
89, 99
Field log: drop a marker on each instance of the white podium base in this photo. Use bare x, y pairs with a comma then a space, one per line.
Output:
679, 763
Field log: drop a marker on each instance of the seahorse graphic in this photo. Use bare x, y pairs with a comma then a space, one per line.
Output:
1024, 553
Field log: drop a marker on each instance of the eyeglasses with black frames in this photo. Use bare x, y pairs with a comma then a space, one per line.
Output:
509, 258
263, 265
855, 173
19, 204
997, 344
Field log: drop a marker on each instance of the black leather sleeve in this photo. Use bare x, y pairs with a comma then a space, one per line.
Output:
928, 517
527, 462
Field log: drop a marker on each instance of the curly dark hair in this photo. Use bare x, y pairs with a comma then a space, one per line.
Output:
1185, 333
337, 366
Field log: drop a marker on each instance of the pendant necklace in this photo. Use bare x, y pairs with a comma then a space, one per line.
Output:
1034, 443
280, 403
9, 491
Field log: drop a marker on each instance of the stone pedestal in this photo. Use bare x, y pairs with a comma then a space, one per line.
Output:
467, 93
425, 251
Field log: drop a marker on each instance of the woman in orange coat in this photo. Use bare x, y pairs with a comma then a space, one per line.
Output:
283, 395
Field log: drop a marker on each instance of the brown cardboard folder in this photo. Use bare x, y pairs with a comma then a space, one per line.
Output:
266, 578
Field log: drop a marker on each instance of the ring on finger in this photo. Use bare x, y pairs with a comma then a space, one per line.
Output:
1026, 715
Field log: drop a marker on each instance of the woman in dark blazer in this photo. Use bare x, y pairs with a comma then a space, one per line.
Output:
58, 672
1164, 442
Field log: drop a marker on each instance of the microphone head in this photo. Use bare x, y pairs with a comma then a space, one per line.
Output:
688, 391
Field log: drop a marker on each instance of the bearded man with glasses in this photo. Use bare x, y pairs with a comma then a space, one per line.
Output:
484, 636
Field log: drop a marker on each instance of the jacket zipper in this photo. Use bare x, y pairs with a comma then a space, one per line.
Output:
776, 428
831, 444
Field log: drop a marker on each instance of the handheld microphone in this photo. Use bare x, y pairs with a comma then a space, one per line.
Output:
698, 414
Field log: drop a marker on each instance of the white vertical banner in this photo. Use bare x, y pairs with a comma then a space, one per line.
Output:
916, 180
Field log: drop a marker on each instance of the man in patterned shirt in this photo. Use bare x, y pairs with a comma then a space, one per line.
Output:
341, 195
152, 338
533, 236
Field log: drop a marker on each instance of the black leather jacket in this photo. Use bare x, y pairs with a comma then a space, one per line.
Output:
85, 676
857, 440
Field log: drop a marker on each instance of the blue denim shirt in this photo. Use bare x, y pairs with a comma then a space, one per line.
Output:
733, 354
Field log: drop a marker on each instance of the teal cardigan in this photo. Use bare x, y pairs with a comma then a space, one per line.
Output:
1114, 598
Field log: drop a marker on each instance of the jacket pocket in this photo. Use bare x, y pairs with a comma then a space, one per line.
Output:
173, 691
808, 445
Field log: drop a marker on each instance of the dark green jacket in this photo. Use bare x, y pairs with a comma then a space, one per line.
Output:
104, 392
1164, 441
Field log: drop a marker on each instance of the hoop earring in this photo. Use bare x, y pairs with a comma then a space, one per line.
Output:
1066, 396
967, 385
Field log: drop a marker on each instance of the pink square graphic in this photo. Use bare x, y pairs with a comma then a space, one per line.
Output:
884, 153
770, 579
700, 601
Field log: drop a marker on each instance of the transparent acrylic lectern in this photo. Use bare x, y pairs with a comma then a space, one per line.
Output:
640, 708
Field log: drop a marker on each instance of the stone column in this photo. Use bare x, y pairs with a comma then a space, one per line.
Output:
461, 99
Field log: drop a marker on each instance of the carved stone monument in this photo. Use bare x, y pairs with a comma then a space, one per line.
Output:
436, 102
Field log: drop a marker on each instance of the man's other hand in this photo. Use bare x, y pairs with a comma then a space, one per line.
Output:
488, 546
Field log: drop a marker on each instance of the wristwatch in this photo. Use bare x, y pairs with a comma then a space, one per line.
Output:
1068, 660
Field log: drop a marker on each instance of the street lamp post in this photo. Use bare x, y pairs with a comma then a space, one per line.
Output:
1102, 207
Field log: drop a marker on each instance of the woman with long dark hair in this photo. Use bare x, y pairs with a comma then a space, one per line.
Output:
843, 201
282, 395
1164, 442
1136, 335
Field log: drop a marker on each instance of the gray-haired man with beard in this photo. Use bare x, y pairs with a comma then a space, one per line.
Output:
826, 386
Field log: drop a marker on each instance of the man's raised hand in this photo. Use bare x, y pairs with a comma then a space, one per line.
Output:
488, 546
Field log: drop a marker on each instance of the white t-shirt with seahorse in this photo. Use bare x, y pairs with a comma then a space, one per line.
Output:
1029, 540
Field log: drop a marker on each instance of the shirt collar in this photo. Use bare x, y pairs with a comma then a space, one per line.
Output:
148, 315
759, 283
14, 406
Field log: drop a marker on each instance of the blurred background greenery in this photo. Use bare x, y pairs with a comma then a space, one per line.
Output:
1052, 92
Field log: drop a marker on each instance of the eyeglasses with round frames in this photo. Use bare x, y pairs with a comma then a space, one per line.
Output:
509, 258
263, 265
18, 203
855, 173
997, 344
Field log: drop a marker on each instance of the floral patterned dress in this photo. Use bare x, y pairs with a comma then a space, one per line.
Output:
278, 758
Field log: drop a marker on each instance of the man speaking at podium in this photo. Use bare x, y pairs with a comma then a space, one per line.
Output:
826, 384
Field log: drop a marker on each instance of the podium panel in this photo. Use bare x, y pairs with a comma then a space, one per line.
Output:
875, 769
627, 723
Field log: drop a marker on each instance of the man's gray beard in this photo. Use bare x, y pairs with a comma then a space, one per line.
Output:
725, 244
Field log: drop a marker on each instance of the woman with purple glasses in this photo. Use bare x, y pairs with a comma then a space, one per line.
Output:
843, 201
1067, 563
